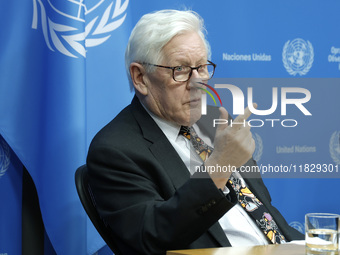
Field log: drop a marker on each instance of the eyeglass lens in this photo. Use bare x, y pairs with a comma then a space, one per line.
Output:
183, 73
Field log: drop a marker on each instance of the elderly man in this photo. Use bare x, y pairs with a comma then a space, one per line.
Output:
140, 164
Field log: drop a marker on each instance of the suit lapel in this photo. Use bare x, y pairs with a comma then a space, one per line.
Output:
172, 163
160, 146
259, 189
167, 156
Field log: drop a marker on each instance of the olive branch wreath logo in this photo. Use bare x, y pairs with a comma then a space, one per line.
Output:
4, 157
288, 67
334, 147
57, 36
259, 147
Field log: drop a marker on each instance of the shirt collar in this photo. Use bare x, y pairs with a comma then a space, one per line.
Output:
171, 130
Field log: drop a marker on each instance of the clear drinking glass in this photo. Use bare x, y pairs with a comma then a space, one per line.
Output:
322, 232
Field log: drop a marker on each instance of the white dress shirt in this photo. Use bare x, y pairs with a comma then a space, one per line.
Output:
240, 229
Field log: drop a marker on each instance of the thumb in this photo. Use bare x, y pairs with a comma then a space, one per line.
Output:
224, 115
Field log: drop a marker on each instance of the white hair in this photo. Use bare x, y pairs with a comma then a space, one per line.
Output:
154, 30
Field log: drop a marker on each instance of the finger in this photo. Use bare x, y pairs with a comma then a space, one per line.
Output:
244, 128
224, 115
249, 143
244, 133
246, 114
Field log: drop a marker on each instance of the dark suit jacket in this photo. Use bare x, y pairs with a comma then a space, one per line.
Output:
145, 193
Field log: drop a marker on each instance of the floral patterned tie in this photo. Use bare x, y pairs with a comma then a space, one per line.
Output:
201, 148
255, 209
249, 202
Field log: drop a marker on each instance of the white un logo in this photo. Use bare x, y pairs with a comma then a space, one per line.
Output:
334, 147
71, 27
298, 56
4, 157
258, 147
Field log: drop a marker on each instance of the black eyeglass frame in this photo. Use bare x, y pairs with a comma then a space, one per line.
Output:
192, 68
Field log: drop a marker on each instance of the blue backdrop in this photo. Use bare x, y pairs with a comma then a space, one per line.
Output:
62, 78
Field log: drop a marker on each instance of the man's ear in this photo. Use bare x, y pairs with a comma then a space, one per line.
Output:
138, 72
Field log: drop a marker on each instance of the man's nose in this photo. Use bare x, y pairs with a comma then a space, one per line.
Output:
194, 80
195, 74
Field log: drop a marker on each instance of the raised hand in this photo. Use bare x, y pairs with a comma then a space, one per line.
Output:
233, 146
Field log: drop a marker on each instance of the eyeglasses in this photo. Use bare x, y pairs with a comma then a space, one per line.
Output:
183, 73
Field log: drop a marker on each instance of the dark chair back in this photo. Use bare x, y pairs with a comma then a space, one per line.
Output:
88, 202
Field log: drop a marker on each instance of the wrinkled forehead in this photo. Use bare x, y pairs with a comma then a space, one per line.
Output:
188, 48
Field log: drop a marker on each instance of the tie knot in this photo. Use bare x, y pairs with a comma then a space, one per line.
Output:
201, 148
185, 131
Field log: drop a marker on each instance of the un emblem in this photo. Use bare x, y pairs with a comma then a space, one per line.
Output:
4, 157
71, 27
298, 56
334, 147
258, 147
298, 226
